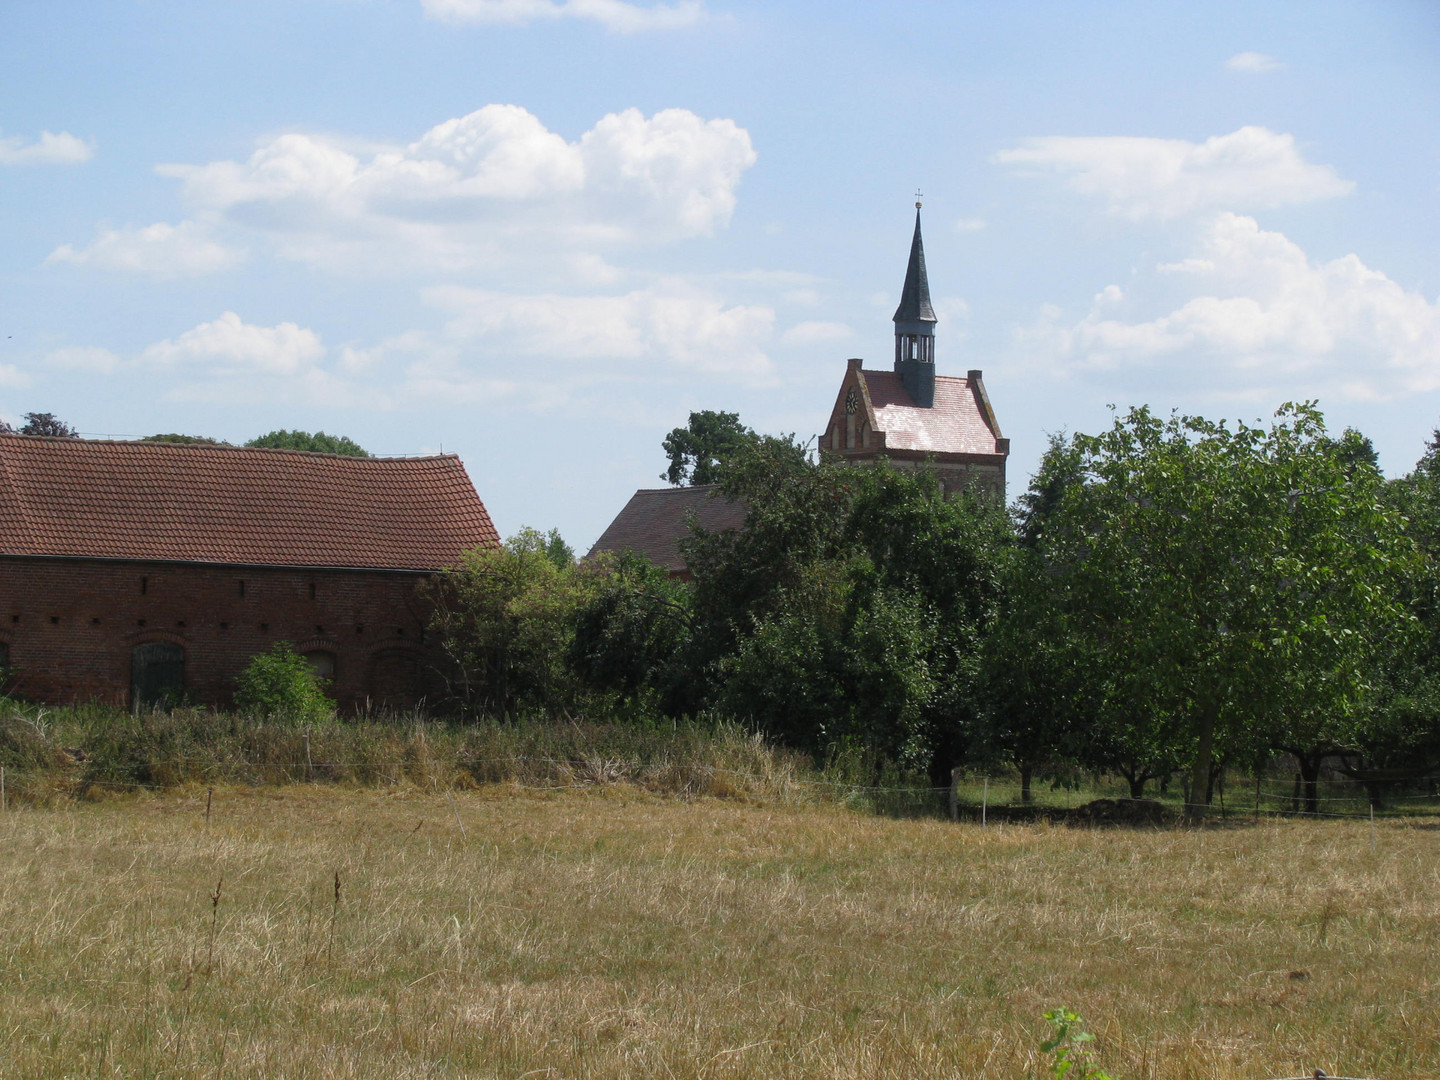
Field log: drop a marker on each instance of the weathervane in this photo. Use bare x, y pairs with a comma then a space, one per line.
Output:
918, 197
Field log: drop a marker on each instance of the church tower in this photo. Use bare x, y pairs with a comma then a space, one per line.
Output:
915, 327
912, 417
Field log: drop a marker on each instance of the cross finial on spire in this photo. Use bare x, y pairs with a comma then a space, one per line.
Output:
918, 197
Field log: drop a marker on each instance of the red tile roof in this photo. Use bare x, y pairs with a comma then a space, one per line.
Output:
655, 520
955, 425
223, 504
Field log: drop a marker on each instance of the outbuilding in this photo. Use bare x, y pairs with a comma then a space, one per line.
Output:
137, 572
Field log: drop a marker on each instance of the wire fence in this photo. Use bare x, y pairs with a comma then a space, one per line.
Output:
1269, 796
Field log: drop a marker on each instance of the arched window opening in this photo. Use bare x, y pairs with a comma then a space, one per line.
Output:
157, 674
322, 663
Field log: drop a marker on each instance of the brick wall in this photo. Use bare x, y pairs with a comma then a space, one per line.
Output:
69, 626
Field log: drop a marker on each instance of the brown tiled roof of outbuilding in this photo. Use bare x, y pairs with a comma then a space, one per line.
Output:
223, 504
655, 520
955, 425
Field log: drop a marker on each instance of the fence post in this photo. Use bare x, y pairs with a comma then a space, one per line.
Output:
955, 794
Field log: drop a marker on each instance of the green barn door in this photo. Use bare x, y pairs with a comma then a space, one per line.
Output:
157, 674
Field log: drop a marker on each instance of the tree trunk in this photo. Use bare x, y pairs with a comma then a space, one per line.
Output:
1026, 772
1310, 774
1200, 769
1137, 784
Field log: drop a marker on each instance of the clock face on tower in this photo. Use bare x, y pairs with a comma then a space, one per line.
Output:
852, 402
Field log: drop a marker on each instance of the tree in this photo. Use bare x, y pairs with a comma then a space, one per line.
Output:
41, 424
699, 452
1232, 580
631, 635
280, 684
319, 443
185, 440
847, 610
506, 620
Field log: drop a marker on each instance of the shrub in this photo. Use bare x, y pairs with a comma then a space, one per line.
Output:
280, 683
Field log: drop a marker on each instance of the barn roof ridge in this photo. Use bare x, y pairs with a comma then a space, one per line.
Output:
196, 502
167, 445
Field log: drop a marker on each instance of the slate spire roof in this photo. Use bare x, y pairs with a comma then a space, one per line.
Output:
84, 498
915, 297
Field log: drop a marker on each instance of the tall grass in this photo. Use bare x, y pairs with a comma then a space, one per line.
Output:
90, 750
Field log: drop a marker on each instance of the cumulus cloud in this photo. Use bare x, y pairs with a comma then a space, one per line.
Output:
1264, 318
813, 333
1253, 63
50, 149
230, 346
670, 325
84, 358
162, 250
615, 15
482, 189
1166, 178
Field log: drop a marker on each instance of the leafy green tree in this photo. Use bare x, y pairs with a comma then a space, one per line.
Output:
1403, 739
1233, 580
506, 619
280, 684
318, 442
699, 451
185, 440
847, 610
631, 634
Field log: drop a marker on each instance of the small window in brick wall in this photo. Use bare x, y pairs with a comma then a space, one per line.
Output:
322, 663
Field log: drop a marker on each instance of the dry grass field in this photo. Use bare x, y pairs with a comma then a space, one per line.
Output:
313, 931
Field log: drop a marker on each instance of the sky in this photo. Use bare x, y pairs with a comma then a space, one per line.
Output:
538, 233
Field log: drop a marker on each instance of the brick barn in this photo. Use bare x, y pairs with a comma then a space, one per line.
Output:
134, 572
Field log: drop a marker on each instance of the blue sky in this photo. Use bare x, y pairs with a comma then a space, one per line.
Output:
538, 232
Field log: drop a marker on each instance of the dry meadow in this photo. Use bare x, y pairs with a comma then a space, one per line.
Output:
313, 931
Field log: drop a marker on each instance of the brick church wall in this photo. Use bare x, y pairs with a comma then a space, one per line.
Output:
69, 626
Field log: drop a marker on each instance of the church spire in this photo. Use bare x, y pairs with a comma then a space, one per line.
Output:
915, 297
915, 327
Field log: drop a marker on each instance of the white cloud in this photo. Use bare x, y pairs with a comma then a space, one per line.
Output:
1253, 63
1165, 178
1264, 318
616, 15
229, 346
162, 250
84, 358
52, 149
488, 189
670, 324
813, 333
10, 375
970, 224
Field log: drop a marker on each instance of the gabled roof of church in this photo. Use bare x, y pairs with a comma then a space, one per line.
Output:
958, 423
655, 520
915, 296
226, 504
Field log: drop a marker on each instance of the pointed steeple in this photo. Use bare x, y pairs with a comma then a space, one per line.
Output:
915, 297
915, 327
